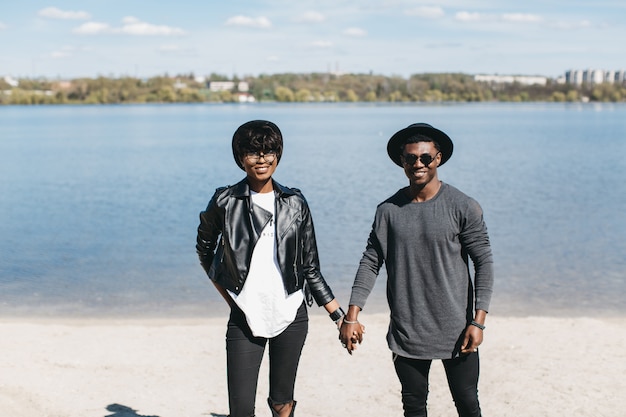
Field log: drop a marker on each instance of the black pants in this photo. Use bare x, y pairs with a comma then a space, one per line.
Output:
462, 376
244, 353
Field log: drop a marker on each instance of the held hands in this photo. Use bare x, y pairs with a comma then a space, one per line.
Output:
350, 334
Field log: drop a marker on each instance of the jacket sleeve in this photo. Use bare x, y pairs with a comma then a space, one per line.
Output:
310, 260
209, 231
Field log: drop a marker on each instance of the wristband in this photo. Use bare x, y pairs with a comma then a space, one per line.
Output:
337, 314
480, 326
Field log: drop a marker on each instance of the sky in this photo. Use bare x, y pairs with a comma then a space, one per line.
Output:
141, 38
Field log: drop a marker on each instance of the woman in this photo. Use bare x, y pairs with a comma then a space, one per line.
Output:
266, 255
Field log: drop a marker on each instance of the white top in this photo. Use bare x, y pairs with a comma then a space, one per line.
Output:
263, 299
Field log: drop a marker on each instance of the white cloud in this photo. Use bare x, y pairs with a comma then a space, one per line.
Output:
54, 13
310, 17
471, 16
273, 58
129, 20
321, 44
131, 26
428, 12
2, 26
93, 28
356, 32
60, 54
583, 24
505, 17
258, 22
521, 17
177, 50
67, 51
169, 48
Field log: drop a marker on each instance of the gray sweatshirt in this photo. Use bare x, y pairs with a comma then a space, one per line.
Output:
425, 248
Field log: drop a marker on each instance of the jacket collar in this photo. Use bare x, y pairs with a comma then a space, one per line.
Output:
242, 189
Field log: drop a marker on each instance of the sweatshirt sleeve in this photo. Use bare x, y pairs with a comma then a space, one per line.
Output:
369, 266
475, 240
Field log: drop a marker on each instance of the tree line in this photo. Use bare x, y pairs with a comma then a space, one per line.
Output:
292, 87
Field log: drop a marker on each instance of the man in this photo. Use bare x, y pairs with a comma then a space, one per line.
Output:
424, 234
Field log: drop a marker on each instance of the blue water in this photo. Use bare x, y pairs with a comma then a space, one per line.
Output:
99, 204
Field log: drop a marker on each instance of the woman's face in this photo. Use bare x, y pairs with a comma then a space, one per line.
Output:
260, 167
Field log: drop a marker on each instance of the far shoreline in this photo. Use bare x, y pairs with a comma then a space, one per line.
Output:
217, 310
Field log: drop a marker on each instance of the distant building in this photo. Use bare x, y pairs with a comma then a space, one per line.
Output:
240, 90
594, 76
215, 86
11, 81
511, 79
179, 85
243, 86
62, 85
574, 77
245, 98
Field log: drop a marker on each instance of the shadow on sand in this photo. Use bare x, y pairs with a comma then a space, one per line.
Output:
123, 411
119, 410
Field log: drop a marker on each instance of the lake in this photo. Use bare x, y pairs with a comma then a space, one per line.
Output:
100, 204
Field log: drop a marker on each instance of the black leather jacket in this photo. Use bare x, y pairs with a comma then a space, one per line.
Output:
231, 215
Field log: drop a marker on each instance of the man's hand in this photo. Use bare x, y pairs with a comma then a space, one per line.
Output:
472, 339
351, 331
351, 334
474, 333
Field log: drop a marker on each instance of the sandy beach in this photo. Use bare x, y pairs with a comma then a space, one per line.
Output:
531, 366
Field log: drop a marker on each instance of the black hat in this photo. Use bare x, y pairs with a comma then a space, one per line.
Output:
394, 146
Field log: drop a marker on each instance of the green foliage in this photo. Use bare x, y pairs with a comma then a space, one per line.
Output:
351, 96
557, 96
292, 87
284, 94
370, 96
303, 95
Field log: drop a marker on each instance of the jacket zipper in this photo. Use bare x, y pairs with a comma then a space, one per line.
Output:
295, 262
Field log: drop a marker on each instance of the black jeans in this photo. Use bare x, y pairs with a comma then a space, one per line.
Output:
244, 353
462, 373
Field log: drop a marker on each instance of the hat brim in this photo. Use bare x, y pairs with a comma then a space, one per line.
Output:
394, 146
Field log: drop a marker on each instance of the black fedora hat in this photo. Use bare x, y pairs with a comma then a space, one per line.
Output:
394, 146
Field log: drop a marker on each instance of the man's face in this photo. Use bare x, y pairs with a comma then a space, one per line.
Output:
413, 158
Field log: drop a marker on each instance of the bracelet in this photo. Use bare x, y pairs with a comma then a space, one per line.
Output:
480, 326
337, 314
350, 322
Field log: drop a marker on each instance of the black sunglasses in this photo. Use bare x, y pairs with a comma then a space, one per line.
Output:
254, 156
424, 158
